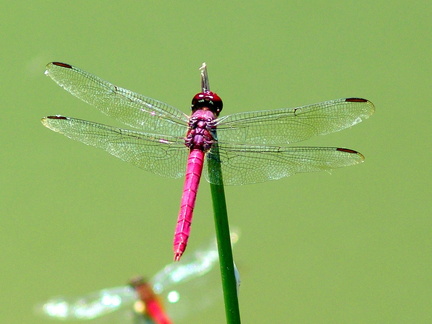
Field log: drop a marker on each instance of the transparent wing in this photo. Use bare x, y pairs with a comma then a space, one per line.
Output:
192, 285
289, 125
243, 164
191, 266
161, 154
130, 108
90, 306
186, 287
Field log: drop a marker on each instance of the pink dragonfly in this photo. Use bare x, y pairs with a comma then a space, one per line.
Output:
173, 293
252, 145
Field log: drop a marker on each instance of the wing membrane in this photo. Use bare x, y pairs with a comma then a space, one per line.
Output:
130, 108
193, 265
290, 125
163, 155
90, 306
252, 164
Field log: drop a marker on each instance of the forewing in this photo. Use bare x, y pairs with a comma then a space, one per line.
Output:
243, 164
90, 306
192, 265
190, 285
130, 108
162, 155
289, 125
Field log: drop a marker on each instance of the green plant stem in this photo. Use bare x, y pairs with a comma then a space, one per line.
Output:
229, 283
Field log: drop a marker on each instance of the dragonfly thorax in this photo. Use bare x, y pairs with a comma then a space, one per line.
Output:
200, 134
207, 99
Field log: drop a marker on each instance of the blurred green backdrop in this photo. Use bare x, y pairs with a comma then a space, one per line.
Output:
351, 247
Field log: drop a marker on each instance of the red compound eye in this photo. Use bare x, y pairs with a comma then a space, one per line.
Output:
207, 99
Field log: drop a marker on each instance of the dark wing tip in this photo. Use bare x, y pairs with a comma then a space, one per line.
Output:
370, 105
356, 100
349, 151
46, 120
55, 117
65, 65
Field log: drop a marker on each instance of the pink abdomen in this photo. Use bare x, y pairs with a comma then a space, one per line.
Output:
193, 174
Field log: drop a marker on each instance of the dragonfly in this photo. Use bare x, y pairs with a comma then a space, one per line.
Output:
252, 146
168, 295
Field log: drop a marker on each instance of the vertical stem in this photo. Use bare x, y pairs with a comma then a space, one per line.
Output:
229, 283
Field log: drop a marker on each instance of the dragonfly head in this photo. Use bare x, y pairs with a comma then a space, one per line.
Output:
207, 99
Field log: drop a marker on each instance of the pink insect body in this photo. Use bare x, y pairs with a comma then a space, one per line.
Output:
152, 305
206, 107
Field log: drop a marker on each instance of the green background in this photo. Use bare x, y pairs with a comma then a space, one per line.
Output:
351, 247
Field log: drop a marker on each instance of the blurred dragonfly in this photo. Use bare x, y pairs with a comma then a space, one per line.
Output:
252, 145
178, 290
